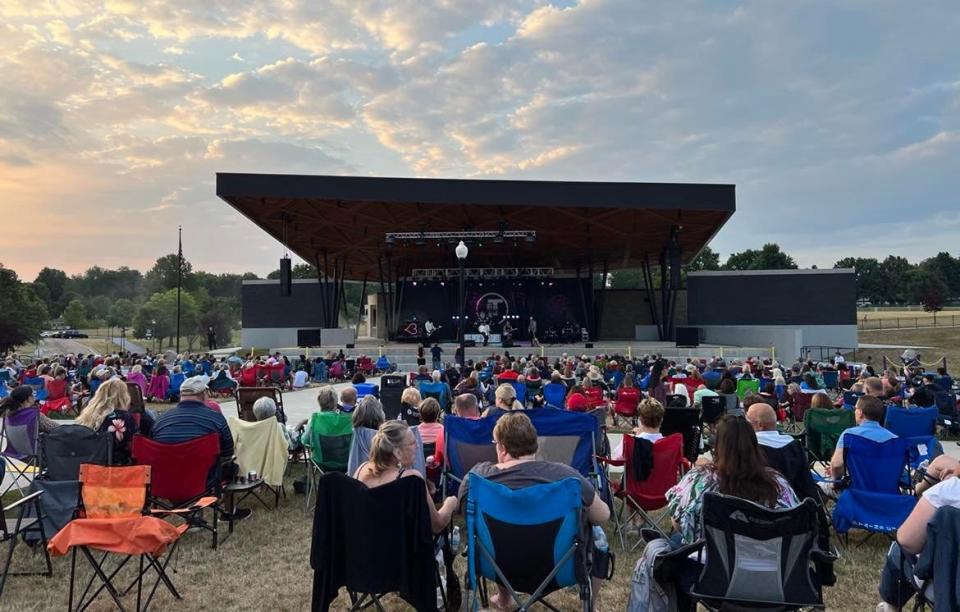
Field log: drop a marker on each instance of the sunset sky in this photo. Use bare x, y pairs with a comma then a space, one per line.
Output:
839, 121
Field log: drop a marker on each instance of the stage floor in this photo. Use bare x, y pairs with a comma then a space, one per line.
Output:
405, 353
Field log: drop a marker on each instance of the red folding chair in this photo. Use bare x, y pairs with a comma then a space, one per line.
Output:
799, 404
644, 497
181, 478
248, 377
594, 397
628, 398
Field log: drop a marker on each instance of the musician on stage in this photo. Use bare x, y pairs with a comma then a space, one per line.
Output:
532, 330
483, 328
507, 335
430, 329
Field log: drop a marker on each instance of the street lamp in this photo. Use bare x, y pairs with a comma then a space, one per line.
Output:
461, 252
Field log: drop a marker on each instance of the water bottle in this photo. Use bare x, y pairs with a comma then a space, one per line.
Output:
600, 539
455, 540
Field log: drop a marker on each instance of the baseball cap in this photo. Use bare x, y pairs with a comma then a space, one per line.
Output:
195, 385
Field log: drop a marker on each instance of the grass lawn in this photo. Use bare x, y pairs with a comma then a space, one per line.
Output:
265, 565
946, 343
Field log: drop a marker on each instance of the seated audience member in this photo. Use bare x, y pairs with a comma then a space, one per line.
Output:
136, 376
348, 399
431, 431
738, 469
897, 584
21, 398
509, 373
392, 453
868, 413
265, 408
517, 468
108, 411
924, 397
769, 395
422, 374
809, 384
466, 405
821, 400
577, 400
651, 414
190, 419
410, 401
327, 399
505, 400
873, 386
702, 392
358, 379
763, 419
300, 378
368, 414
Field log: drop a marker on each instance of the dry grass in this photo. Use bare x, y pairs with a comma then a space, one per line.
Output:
946, 343
265, 565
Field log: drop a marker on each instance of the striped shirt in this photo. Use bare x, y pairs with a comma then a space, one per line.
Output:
190, 420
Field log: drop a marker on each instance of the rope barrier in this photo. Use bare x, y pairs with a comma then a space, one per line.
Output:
899, 362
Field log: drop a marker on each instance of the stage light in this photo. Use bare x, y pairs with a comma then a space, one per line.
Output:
531, 237
443, 284
391, 239
414, 283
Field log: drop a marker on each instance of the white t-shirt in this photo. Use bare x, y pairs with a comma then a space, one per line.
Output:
300, 379
773, 439
617, 454
946, 493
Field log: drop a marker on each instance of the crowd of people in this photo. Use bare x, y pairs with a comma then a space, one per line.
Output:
748, 453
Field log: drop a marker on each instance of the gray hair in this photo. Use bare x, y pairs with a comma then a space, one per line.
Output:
327, 398
369, 413
264, 408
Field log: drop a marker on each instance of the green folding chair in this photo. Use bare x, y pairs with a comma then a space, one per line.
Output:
327, 440
823, 428
745, 386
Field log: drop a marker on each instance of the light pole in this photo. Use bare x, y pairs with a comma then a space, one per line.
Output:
461, 252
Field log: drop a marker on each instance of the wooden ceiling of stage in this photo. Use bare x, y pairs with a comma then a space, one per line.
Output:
575, 222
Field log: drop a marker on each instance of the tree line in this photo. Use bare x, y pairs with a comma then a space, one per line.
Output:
932, 282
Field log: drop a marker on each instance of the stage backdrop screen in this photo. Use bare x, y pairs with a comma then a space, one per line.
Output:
772, 297
553, 303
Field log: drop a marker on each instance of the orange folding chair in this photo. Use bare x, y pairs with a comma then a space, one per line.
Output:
114, 521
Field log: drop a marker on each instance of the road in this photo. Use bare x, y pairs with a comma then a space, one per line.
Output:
128, 346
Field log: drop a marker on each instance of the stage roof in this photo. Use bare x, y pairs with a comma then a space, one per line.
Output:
349, 216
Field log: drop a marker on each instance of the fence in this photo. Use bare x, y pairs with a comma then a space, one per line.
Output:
866, 323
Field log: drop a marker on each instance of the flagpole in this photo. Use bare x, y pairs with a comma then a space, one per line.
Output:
179, 275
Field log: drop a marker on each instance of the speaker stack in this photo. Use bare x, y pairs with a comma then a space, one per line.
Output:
391, 388
286, 277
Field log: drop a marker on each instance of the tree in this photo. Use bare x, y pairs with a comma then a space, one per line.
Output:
932, 301
708, 259
163, 275
769, 257
98, 307
870, 285
161, 308
894, 274
300, 270
75, 314
947, 268
121, 313
23, 313
55, 280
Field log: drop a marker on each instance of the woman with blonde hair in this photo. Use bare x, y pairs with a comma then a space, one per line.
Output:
392, 453
108, 411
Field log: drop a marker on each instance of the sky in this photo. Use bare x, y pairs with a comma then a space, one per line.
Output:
837, 120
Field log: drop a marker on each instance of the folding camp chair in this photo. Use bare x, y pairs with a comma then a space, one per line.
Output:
554, 394
628, 398
567, 437
946, 403
173, 391
114, 501
466, 443
685, 421
799, 404
594, 396
918, 426
39, 386
644, 497
58, 398
365, 389
533, 540
351, 524
246, 396
12, 530
850, 399
937, 555
831, 379
747, 385
222, 385
185, 479
758, 558
327, 439
262, 448
872, 499
21, 447
437, 391
360, 450
64, 449
822, 428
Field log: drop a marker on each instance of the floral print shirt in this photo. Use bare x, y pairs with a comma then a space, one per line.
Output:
685, 499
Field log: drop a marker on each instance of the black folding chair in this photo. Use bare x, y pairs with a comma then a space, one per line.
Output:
685, 421
67, 446
12, 529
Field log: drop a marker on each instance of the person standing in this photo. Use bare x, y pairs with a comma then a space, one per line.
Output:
532, 331
211, 338
436, 354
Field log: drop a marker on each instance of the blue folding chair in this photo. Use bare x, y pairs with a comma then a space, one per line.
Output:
850, 399
486, 374
321, 372
555, 394
38, 385
466, 442
712, 379
873, 500
831, 379
365, 389
521, 389
173, 391
911, 422
533, 540
614, 379
383, 364
567, 437
436, 390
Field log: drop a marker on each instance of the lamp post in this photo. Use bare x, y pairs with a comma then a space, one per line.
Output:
461, 252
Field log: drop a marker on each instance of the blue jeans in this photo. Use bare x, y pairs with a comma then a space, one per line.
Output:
896, 580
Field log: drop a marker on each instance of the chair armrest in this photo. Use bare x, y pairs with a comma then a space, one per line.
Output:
609, 461
23, 500
200, 504
822, 556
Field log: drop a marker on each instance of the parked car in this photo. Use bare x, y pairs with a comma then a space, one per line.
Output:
48, 334
71, 333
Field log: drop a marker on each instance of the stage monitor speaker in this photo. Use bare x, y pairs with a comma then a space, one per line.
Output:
349, 346
507, 344
469, 343
286, 277
588, 345
391, 389
688, 337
